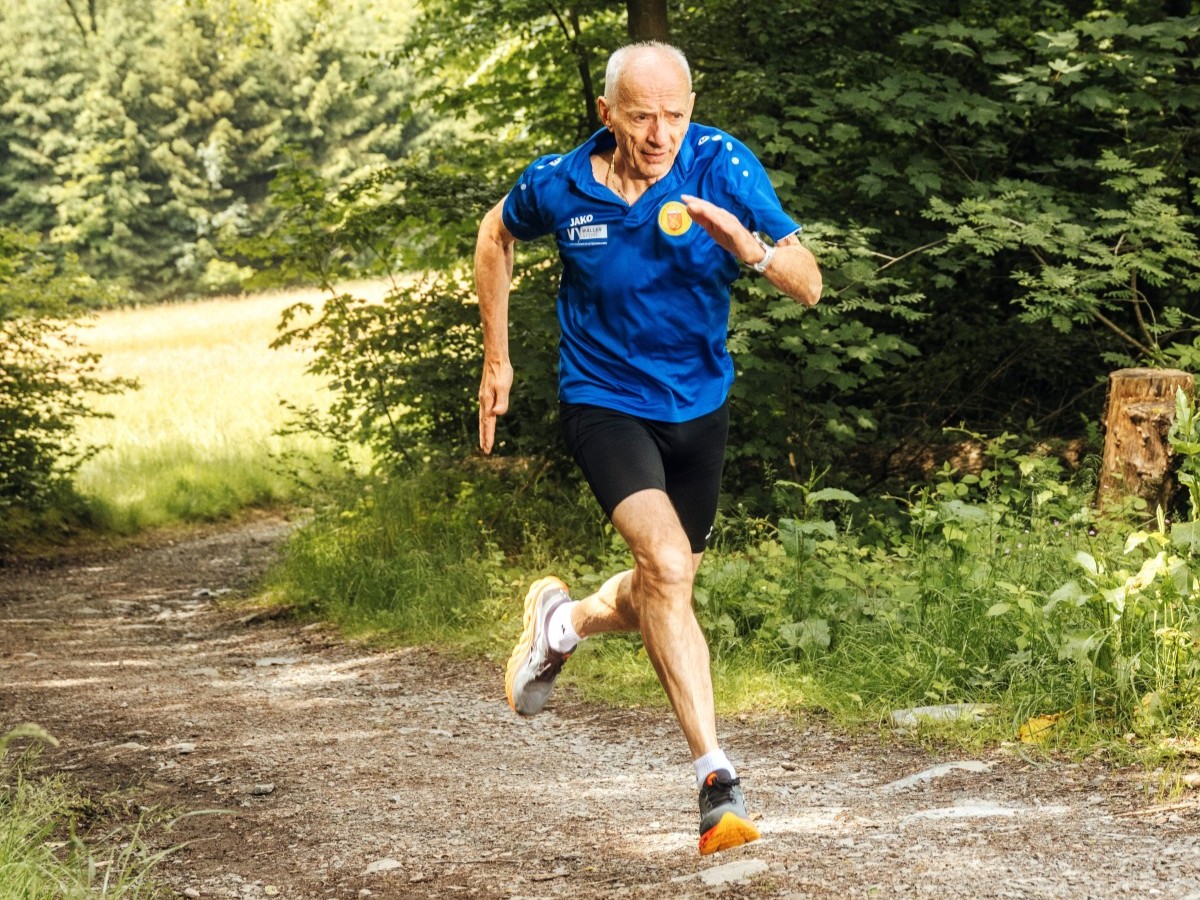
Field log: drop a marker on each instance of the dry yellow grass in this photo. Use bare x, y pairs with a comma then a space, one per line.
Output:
198, 440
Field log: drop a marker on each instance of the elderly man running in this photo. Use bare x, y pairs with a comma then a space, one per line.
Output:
653, 216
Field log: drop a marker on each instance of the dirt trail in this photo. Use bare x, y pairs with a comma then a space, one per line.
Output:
346, 772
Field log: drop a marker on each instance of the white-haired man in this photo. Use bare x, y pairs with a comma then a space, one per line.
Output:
653, 216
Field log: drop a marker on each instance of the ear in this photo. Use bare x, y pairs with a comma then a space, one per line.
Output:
605, 112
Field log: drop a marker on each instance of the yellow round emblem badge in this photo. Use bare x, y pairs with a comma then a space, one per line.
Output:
673, 218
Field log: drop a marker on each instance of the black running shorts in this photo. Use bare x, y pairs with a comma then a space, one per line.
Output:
622, 454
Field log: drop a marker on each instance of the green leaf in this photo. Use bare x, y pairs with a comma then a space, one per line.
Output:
808, 636
1070, 592
1186, 535
1079, 646
832, 494
1088, 562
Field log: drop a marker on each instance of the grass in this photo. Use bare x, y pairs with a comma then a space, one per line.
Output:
197, 441
40, 854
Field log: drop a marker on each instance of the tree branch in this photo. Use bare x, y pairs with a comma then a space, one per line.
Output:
891, 261
83, 31
912, 252
582, 62
1122, 334
1135, 297
950, 156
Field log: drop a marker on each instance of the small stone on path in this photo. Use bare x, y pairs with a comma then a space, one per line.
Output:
742, 870
938, 771
381, 865
908, 719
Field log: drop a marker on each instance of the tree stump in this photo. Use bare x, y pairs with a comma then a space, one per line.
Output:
1137, 455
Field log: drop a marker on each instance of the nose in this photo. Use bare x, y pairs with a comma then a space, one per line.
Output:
658, 132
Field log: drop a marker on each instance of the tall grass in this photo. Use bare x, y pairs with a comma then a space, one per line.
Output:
197, 440
417, 558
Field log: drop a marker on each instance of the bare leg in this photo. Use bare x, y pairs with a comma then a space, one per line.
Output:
655, 598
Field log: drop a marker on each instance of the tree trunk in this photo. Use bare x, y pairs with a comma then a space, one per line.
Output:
648, 20
1137, 455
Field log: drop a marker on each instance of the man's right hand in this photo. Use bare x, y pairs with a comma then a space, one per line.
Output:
494, 388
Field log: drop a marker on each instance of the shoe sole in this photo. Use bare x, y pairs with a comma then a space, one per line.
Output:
529, 628
731, 831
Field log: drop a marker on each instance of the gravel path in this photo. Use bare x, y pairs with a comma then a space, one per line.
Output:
329, 769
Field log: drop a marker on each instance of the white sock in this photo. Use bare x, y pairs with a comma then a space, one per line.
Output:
710, 762
560, 633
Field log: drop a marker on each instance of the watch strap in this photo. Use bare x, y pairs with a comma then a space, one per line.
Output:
768, 254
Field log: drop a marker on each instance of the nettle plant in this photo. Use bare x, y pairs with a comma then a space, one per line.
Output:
1127, 623
1141, 654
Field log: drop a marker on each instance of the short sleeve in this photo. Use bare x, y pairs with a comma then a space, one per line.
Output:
522, 212
748, 182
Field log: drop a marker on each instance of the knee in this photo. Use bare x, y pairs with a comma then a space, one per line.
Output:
668, 570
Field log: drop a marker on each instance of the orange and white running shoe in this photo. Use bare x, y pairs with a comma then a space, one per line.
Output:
533, 666
723, 820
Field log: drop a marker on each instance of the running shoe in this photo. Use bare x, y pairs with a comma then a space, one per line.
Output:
533, 666
723, 820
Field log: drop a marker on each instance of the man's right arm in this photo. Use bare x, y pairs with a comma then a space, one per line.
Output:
493, 278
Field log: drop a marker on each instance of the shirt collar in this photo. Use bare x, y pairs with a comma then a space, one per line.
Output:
580, 167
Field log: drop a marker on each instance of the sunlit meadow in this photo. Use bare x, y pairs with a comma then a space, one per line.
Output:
199, 438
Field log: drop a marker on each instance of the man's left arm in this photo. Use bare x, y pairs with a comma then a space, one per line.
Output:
793, 269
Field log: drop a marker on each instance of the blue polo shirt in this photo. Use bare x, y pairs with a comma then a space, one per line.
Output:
643, 305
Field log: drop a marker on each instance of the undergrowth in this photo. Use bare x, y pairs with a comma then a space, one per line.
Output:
1000, 588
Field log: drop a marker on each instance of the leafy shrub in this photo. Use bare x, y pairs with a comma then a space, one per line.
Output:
44, 379
405, 370
1001, 587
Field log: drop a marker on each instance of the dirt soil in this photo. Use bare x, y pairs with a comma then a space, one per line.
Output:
329, 769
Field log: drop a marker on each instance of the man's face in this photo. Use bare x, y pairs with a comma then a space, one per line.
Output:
649, 115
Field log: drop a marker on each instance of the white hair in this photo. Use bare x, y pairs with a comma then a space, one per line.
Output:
620, 58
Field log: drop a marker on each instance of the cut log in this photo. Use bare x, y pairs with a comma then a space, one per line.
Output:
1138, 460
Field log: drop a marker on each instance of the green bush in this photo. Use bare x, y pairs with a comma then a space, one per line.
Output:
44, 379
998, 587
441, 555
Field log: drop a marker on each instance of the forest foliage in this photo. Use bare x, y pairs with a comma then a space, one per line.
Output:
1002, 196
139, 136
